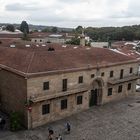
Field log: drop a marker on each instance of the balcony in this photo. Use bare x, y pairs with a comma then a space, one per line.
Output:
53, 95
124, 79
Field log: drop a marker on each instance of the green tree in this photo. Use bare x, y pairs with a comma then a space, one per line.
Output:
54, 30
137, 34
79, 29
15, 121
25, 36
24, 27
74, 41
10, 28
46, 30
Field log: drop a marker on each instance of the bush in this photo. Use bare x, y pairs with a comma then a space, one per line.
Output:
15, 121
10, 28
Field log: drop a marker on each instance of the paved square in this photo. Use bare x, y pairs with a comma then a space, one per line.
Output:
119, 120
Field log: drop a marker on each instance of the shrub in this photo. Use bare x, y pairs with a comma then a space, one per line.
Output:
15, 121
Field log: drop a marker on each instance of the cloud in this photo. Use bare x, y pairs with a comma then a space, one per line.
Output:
73, 12
21, 7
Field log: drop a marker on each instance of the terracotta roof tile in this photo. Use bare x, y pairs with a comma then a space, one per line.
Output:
39, 59
11, 35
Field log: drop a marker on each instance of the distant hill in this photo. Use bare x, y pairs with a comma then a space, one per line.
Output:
101, 34
40, 27
128, 33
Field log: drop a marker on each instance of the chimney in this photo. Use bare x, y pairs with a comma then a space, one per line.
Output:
12, 46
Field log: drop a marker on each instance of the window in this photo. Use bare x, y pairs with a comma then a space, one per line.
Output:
80, 79
46, 86
131, 70
64, 88
63, 104
102, 74
111, 73
129, 86
109, 91
45, 109
92, 75
121, 74
35, 40
40, 40
120, 89
79, 100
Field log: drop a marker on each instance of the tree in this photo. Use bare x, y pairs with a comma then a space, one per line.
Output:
74, 41
137, 34
54, 29
10, 28
79, 29
24, 27
25, 36
15, 121
46, 30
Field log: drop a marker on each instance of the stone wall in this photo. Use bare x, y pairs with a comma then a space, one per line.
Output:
13, 93
52, 96
48, 39
55, 109
115, 95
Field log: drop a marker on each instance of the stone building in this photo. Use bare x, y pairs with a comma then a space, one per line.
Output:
99, 44
50, 38
49, 85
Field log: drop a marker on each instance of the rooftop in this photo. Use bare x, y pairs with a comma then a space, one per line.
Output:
28, 60
51, 35
127, 48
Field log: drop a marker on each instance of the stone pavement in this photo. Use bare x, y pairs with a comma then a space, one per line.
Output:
119, 120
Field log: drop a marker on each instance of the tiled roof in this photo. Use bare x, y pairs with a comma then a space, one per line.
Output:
38, 35
36, 60
127, 49
33, 35
11, 35
6, 41
129, 52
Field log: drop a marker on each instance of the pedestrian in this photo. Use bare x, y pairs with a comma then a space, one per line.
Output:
50, 137
51, 132
59, 137
68, 127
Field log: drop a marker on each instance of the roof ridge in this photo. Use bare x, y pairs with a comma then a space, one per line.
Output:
32, 56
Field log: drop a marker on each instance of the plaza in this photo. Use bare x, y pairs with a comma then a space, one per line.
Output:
117, 120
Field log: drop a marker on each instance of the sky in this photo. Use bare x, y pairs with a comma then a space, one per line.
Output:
71, 13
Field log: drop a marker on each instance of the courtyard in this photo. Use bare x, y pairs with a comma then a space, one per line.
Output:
119, 120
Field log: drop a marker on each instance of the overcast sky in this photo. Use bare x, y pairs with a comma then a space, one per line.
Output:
71, 13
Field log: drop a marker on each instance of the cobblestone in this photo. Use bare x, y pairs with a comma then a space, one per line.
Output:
119, 120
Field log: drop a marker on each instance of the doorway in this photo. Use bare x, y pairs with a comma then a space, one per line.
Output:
93, 97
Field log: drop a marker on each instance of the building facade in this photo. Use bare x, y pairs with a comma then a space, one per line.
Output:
77, 91
51, 38
45, 94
